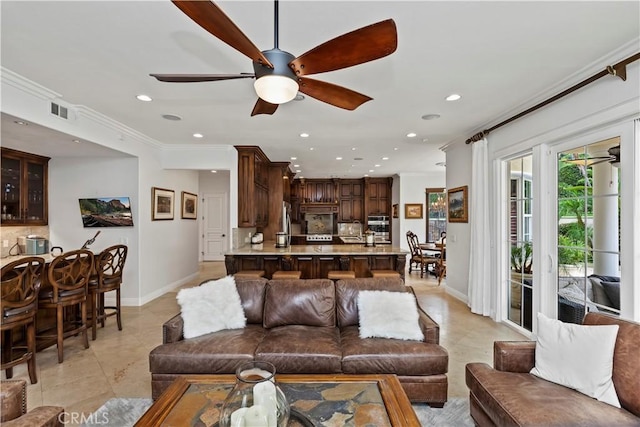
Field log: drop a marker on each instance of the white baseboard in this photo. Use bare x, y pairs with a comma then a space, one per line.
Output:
137, 302
457, 294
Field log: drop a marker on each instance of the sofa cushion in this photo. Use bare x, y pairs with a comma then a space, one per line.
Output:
384, 314
308, 302
626, 369
599, 294
511, 399
251, 293
298, 349
213, 306
347, 295
577, 356
390, 356
612, 289
217, 353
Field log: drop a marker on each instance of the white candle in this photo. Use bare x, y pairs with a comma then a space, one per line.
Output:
264, 394
237, 417
256, 416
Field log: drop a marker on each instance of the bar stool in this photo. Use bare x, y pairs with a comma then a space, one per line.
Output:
281, 274
68, 276
109, 266
21, 282
385, 273
341, 274
249, 274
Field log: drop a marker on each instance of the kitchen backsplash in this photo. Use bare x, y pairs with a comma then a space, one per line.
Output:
241, 237
11, 235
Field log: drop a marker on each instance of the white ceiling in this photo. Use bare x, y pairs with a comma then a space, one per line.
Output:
500, 56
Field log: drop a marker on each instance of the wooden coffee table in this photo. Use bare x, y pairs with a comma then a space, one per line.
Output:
326, 400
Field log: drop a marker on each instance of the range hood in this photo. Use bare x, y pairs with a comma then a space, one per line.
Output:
319, 207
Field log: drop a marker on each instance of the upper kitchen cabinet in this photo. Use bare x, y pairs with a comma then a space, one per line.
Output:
253, 187
377, 196
320, 191
351, 200
24, 188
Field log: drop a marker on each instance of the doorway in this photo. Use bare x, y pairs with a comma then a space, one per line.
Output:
215, 225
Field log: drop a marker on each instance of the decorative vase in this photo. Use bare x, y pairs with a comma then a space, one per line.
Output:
256, 399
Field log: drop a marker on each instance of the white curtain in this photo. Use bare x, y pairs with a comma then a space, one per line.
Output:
479, 294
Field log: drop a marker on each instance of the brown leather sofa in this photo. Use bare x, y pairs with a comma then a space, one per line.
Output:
507, 395
317, 332
13, 408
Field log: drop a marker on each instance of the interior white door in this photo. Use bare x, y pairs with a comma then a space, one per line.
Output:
215, 241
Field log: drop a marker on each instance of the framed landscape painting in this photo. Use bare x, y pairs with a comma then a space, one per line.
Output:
189, 205
413, 210
458, 204
162, 204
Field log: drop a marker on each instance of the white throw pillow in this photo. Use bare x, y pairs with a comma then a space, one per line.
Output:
213, 306
577, 356
384, 314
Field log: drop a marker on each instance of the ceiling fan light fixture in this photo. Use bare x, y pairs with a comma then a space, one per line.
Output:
276, 89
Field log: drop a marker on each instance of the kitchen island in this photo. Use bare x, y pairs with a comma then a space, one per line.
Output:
315, 261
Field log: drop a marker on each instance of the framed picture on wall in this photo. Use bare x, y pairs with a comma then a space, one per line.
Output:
161, 204
394, 211
413, 210
189, 205
458, 204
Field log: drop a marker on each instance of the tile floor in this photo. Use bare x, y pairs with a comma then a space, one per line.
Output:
116, 364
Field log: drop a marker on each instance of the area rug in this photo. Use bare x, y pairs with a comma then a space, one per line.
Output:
123, 412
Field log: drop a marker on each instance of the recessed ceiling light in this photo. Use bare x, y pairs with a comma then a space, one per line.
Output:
385, 158
338, 158
377, 166
296, 166
366, 174
298, 170
370, 170
453, 97
172, 117
411, 135
77, 141
353, 148
425, 139
144, 98
430, 116
21, 123
198, 135
293, 158
395, 148
214, 171
304, 135
310, 148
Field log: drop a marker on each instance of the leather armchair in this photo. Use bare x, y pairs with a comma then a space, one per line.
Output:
13, 407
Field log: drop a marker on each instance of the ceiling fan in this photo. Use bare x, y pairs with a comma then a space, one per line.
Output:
279, 75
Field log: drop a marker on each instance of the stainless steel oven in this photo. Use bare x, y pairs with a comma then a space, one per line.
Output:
380, 225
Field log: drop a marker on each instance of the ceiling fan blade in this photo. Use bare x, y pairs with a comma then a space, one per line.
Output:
263, 107
332, 94
210, 17
193, 78
363, 45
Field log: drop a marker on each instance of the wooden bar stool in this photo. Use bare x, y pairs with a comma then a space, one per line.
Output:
341, 274
385, 273
249, 274
280, 274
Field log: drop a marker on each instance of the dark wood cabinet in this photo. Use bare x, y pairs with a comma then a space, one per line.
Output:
253, 187
351, 200
320, 191
24, 183
378, 196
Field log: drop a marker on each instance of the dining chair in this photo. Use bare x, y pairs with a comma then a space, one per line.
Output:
418, 257
67, 287
21, 281
109, 266
442, 261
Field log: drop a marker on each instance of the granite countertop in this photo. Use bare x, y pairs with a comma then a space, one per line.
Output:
269, 248
4, 261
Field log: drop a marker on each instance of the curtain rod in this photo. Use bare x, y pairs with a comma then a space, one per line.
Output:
619, 69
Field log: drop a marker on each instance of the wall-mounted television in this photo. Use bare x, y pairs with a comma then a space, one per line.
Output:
106, 212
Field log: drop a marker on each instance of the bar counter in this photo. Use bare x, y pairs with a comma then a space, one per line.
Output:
315, 261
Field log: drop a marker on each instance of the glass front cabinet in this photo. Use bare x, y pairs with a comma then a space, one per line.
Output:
24, 188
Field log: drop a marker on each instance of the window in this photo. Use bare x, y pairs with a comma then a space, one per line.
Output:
436, 213
588, 230
520, 241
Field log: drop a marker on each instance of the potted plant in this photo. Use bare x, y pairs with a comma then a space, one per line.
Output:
521, 269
